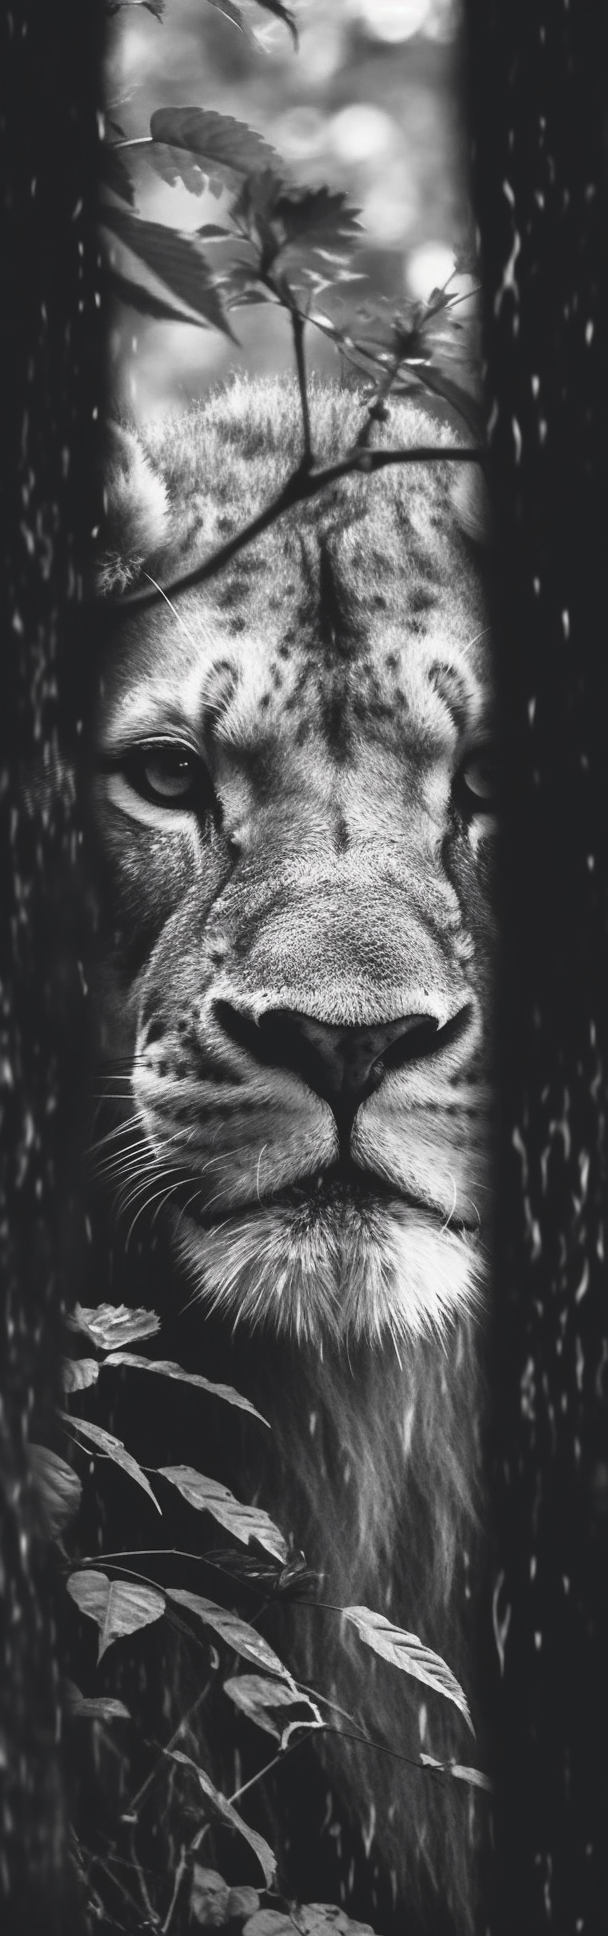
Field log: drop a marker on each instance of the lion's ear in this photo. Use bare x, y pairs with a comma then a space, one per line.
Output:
471, 503
136, 505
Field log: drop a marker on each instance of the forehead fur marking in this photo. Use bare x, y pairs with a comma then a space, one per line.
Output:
330, 609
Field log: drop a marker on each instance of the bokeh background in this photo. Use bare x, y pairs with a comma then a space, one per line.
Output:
369, 104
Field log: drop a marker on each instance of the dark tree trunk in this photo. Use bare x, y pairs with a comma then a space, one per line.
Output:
538, 76
50, 67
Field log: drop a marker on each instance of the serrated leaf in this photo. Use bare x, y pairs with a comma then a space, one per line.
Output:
110, 1325
204, 149
235, 1633
140, 296
98, 1707
320, 220
177, 260
168, 1369
208, 1898
294, 232
244, 1522
113, 1448
79, 1373
119, 1607
408, 1653
256, 1696
221, 1807
57, 1487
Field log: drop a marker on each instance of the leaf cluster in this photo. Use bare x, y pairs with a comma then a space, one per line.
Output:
281, 243
276, 242
120, 1599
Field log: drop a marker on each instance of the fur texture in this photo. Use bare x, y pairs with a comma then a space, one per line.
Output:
297, 843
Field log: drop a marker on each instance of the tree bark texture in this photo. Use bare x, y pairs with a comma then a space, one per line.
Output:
50, 69
537, 98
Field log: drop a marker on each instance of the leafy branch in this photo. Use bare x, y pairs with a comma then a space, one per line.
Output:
303, 483
126, 1600
121, 1606
282, 244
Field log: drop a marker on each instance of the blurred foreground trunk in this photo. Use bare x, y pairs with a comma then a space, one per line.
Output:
538, 77
49, 66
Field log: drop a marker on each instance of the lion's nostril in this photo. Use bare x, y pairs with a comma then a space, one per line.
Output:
343, 1065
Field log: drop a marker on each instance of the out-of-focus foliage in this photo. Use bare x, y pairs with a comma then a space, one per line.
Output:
366, 106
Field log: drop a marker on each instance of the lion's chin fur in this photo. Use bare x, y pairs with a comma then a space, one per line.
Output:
343, 1274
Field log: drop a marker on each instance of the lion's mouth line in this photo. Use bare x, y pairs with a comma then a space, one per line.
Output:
341, 1188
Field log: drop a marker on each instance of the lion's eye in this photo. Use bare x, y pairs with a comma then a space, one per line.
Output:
477, 783
169, 775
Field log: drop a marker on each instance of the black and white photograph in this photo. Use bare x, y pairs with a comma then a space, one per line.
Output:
303, 1420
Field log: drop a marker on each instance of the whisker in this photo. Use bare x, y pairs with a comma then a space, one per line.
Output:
257, 1174
135, 1147
478, 635
163, 1193
120, 1129
147, 1175
446, 1225
173, 608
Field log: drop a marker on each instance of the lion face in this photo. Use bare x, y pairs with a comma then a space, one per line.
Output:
294, 803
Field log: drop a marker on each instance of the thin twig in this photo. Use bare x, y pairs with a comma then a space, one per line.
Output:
179, 1873
135, 1804
413, 382
280, 1756
148, 1905
301, 485
297, 324
366, 1741
377, 412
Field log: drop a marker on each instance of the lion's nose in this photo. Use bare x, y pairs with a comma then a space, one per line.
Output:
344, 1064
